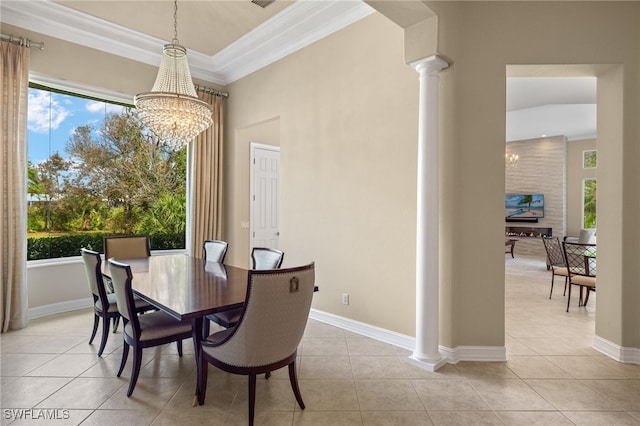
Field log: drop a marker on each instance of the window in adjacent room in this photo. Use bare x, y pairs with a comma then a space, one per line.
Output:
589, 159
94, 170
589, 187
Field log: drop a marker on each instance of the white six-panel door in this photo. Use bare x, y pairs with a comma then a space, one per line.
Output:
265, 196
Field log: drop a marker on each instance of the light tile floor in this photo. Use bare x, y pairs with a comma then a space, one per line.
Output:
552, 376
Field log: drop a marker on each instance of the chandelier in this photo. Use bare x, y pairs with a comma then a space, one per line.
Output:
172, 110
511, 161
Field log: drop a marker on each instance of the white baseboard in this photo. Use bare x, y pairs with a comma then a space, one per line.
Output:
57, 308
452, 356
617, 352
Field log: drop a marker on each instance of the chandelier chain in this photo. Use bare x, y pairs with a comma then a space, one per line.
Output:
175, 22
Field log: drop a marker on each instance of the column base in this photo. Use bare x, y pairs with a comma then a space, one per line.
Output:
427, 363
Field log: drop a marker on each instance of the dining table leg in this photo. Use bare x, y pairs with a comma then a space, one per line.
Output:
196, 334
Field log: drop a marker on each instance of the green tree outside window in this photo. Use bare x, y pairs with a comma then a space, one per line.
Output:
589, 202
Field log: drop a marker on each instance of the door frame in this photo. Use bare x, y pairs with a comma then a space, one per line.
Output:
254, 146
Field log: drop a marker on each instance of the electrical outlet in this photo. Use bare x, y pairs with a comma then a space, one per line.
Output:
345, 298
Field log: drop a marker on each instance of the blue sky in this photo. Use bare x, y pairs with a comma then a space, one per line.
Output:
52, 118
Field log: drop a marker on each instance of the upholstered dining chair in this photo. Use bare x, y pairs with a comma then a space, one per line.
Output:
144, 331
262, 259
582, 268
127, 247
266, 258
267, 336
555, 261
214, 250
104, 305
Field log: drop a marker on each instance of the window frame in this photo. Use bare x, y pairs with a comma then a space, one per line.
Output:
100, 94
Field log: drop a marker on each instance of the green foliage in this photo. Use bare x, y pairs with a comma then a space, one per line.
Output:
118, 180
590, 187
69, 245
590, 159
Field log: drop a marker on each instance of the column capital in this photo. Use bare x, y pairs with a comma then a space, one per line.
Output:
432, 64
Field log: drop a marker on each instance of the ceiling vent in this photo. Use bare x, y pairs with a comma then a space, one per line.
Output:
262, 3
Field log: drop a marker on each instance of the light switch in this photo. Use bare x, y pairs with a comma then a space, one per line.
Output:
244, 225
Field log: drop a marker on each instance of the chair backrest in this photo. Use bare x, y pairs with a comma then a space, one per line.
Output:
215, 250
274, 317
93, 268
581, 258
127, 247
555, 255
121, 277
266, 258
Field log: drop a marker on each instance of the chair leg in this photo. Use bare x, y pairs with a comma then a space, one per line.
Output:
252, 398
116, 321
105, 335
566, 280
179, 343
96, 320
580, 300
293, 378
125, 354
202, 380
135, 371
586, 298
551, 292
569, 298
206, 328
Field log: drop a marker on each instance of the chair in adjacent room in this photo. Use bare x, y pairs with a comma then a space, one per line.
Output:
144, 331
214, 250
262, 259
104, 305
582, 268
267, 336
555, 261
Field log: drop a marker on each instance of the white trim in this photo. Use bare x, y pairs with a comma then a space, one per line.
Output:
60, 307
616, 352
377, 333
297, 26
451, 356
474, 353
81, 89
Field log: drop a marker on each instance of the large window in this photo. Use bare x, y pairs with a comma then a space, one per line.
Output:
93, 170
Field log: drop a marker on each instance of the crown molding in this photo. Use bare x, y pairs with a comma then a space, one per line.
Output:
297, 26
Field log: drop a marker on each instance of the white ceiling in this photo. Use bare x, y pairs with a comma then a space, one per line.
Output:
227, 40
551, 106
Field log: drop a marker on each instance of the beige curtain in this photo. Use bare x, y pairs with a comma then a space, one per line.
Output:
14, 79
205, 158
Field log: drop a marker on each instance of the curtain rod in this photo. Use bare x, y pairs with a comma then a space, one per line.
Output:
212, 91
22, 41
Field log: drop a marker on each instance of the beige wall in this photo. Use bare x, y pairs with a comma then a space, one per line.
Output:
347, 107
347, 113
482, 38
238, 181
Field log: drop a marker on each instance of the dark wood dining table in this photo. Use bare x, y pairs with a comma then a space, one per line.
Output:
187, 287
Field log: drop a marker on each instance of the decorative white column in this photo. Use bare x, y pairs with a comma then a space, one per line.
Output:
426, 354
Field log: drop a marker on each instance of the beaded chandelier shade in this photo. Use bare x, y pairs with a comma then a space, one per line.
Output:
172, 110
